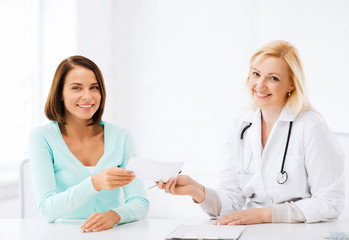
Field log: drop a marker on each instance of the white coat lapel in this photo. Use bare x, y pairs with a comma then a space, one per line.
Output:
255, 136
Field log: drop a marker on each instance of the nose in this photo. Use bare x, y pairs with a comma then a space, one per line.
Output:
86, 94
261, 83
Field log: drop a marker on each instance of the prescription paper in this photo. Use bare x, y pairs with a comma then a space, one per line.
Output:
154, 170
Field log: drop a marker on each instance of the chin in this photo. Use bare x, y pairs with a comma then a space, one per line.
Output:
257, 103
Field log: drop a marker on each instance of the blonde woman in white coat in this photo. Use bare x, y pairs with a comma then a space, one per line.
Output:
283, 163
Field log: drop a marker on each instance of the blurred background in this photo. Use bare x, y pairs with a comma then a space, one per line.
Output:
175, 70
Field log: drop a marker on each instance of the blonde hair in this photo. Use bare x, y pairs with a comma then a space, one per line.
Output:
298, 101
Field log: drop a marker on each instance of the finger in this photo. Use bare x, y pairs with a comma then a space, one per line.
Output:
88, 223
161, 185
173, 186
119, 177
101, 228
96, 222
120, 171
169, 184
113, 181
230, 219
121, 181
111, 186
237, 222
96, 226
116, 180
224, 220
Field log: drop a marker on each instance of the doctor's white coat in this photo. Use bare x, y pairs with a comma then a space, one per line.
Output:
314, 163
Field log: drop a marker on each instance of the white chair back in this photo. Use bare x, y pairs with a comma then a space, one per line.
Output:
343, 139
28, 206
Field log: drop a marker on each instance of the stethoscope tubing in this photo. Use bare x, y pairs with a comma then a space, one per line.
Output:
286, 147
244, 130
283, 174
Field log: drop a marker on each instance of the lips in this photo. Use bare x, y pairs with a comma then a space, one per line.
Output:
259, 94
85, 106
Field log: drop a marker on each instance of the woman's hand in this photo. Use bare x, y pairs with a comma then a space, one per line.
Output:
184, 185
100, 221
112, 178
246, 217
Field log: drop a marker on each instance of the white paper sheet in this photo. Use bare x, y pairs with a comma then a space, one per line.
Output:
205, 231
154, 170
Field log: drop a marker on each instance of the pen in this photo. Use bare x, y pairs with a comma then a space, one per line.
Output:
156, 183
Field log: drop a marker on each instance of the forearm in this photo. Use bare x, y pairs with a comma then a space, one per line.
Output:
136, 204
197, 192
134, 209
211, 204
55, 205
287, 212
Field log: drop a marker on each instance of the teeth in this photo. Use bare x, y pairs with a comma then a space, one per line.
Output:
85, 106
261, 94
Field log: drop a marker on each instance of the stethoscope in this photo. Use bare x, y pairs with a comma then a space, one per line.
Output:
282, 176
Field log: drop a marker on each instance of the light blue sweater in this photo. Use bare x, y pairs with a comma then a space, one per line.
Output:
63, 186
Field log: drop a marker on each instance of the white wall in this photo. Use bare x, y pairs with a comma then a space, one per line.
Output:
57, 40
175, 71
178, 76
180, 68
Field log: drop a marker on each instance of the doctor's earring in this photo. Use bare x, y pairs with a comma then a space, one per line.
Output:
289, 93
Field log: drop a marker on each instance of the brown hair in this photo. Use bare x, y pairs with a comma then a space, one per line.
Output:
54, 108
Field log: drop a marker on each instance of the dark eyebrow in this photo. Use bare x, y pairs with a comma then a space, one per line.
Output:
74, 83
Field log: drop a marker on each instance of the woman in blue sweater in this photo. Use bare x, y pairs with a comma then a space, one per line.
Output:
78, 161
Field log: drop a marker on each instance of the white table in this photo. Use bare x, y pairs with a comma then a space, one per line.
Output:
157, 229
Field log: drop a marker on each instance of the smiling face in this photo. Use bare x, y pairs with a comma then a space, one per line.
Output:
269, 82
81, 94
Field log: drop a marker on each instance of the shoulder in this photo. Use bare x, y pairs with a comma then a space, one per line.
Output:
310, 118
114, 129
47, 130
244, 116
116, 133
241, 119
117, 138
314, 126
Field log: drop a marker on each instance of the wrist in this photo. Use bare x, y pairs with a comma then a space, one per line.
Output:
198, 193
116, 217
267, 218
94, 183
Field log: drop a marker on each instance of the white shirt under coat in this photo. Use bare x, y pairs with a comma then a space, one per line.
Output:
314, 163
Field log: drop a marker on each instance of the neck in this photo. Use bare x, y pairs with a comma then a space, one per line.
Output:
269, 117
78, 129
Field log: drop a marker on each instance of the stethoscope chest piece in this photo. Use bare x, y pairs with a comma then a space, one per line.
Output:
282, 177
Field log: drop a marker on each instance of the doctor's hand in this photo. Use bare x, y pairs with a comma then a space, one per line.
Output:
100, 221
112, 178
184, 185
246, 217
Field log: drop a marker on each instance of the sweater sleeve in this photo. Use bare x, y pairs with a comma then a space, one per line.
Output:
211, 204
52, 204
287, 212
136, 204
